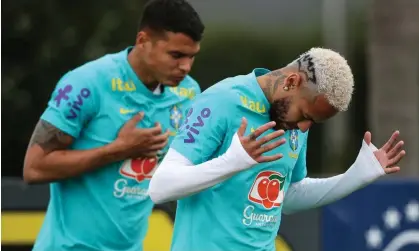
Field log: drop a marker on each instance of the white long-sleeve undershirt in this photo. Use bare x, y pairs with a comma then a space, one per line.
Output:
177, 177
310, 193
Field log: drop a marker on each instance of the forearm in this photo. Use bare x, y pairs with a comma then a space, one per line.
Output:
311, 193
177, 177
64, 164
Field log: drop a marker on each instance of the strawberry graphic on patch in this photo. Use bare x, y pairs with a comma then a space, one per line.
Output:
267, 189
139, 169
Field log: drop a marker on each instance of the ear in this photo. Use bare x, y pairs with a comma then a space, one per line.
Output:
293, 81
141, 39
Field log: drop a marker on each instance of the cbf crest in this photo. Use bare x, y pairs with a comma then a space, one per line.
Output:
176, 117
293, 141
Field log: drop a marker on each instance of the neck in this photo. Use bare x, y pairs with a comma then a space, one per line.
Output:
270, 83
141, 71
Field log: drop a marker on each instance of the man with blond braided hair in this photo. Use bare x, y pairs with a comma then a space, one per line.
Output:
240, 158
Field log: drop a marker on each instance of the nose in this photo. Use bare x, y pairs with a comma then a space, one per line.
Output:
185, 65
304, 125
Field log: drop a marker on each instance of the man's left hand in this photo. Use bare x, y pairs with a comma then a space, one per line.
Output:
390, 153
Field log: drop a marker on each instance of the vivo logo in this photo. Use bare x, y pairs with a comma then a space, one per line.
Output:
194, 129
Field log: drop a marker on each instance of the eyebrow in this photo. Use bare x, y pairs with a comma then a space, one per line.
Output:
184, 54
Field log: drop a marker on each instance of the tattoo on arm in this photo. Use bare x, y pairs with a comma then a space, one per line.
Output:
49, 138
275, 78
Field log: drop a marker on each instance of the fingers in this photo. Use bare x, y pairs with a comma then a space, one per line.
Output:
242, 128
269, 147
395, 160
269, 137
159, 142
387, 146
161, 138
265, 144
135, 120
255, 148
260, 130
395, 150
262, 159
150, 154
393, 169
156, 130
394, 153
367, 138
157, 147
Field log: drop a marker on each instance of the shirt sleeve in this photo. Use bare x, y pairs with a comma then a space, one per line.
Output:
71, 105
177, 177
204, 128
311, 193
300, 170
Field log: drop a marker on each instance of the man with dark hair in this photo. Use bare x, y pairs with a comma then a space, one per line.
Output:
107, 125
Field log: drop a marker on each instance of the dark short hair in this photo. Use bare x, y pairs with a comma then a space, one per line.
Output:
177, 16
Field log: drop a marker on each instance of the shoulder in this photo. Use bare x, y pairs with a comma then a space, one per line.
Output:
95, 70
225, 95
231, 89
222, 96
98, 69
85, 80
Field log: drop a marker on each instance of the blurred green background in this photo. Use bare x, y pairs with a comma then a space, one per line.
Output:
43, 40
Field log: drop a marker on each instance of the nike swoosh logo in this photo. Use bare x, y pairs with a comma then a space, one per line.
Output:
126, 111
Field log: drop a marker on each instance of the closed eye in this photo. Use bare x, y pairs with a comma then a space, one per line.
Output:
178, 55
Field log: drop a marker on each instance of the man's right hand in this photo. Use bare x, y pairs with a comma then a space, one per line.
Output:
256, 147
138, 142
